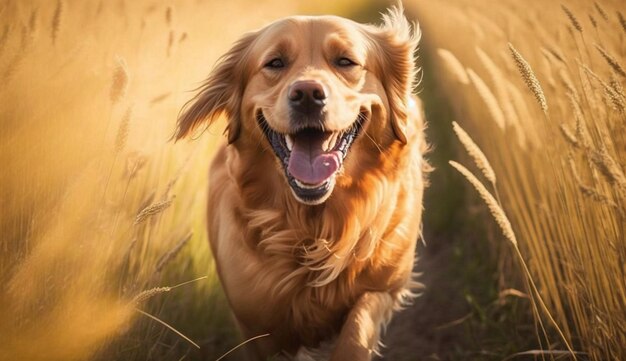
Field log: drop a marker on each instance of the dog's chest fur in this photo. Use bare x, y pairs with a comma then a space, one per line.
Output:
304, 288
304, 267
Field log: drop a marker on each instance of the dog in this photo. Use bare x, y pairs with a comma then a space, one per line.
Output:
315, 202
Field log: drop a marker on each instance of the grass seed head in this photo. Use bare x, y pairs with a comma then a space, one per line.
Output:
152, 210
495, 209
617, 86
611, 61
453, 65
618, 100
529, 77
168, 16
569, 136
601, 11
611, 170
169, 256
474, 151
119, 84
147, 294
122, 131
56, 21
33, 21
572, 18
489, 98
622, 20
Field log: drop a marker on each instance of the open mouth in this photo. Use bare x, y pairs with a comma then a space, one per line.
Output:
311, 157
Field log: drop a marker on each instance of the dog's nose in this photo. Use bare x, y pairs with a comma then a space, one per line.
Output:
307, 96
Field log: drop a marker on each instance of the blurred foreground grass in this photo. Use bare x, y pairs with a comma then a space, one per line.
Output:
98, 207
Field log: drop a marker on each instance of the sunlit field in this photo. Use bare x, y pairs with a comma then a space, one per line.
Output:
104, 253
537, 89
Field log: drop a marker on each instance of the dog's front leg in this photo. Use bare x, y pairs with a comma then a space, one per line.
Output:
360, 333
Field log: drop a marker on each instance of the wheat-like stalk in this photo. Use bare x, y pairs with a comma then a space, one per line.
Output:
588, 191
611, 170
160, 98
618, 100
168, 16
32, 21
617, 86
14, 64
569, 136
552, 57
582, 133
170, 42
572, 18
487, 96
474, 151
593, 21
453, 65
163, 261
144, 295
497, 78
622, 20
529, 77
572, 165
152, 210
611, 61
495, 209
122, 131
601, 11
25, 38
593, 194
4, 37
119, 85
569, 84
557, 54
56, 21
134, 163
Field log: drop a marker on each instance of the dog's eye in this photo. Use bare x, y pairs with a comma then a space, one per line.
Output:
276, 63
345, 62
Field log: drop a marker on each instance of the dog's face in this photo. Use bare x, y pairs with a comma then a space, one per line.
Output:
323, 93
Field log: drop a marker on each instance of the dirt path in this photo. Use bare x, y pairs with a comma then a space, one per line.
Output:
433, 326
425, 330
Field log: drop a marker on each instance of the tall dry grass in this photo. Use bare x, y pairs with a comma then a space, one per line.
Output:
556, 71
103, 252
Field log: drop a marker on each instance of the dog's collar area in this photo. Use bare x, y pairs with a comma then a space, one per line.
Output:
312, 157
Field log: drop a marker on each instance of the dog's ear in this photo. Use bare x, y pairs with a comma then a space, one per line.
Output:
220, 93
395, 43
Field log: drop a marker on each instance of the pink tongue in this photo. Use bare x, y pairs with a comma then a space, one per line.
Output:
308, 163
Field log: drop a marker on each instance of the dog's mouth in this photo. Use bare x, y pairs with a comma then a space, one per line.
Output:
312, 157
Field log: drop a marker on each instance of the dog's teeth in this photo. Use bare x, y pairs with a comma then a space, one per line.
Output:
333, 141
330, 143
304, 186
308, 186
325, 145
289, 142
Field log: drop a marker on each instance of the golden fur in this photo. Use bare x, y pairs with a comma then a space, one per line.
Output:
331, 273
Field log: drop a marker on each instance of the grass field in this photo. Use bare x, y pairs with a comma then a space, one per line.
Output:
104, 253
539, 89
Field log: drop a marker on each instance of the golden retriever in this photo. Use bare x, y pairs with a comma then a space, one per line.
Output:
315, 203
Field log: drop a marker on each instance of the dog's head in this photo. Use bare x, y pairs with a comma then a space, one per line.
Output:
316, 90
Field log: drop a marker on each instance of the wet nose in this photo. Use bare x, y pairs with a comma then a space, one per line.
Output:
307, 96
